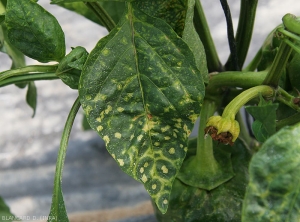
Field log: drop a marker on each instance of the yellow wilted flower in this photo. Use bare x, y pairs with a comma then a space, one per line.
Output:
224, 130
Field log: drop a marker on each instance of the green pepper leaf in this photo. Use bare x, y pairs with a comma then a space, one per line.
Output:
114, 9
5, 214
142, 92
173, 12
223, 203
31, 96
264, 114
34, 31
273, 190
69, 69
191, 37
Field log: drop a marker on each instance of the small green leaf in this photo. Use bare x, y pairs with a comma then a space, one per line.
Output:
264, 114
141, 91
273, 193
69, 69
5, 214
173, 12
31, 96
284, 111
17, 57
114, 9
34, 31
191, 37
259, 131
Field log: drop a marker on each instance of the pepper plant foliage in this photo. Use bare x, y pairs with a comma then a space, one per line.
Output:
144, 85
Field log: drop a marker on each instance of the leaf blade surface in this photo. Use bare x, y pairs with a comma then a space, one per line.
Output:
264, 114
273, 190
141, 91
34, 31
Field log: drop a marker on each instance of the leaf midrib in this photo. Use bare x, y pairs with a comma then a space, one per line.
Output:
130, 18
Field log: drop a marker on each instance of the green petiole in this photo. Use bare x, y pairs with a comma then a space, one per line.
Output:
278, 65
289, 34
236, 104
254, 62
292, 45
27, 70
28, 77
64, 141
287, 99
102, 15
292, 25
236, 79
202, 28
288, 121
244, 31
57, 199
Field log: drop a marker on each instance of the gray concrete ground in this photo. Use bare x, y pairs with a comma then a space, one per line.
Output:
92, 180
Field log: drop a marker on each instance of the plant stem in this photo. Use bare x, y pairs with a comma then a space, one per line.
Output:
65, 140
236, 79
244, 134
254, 63
287, 99
202, 28
27, 69
28, 77
101, 13
292, 45
209, 168
230, 33
204, 145
234, 106
289, 34
288, 121
244, 31
62, 152
278, 65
